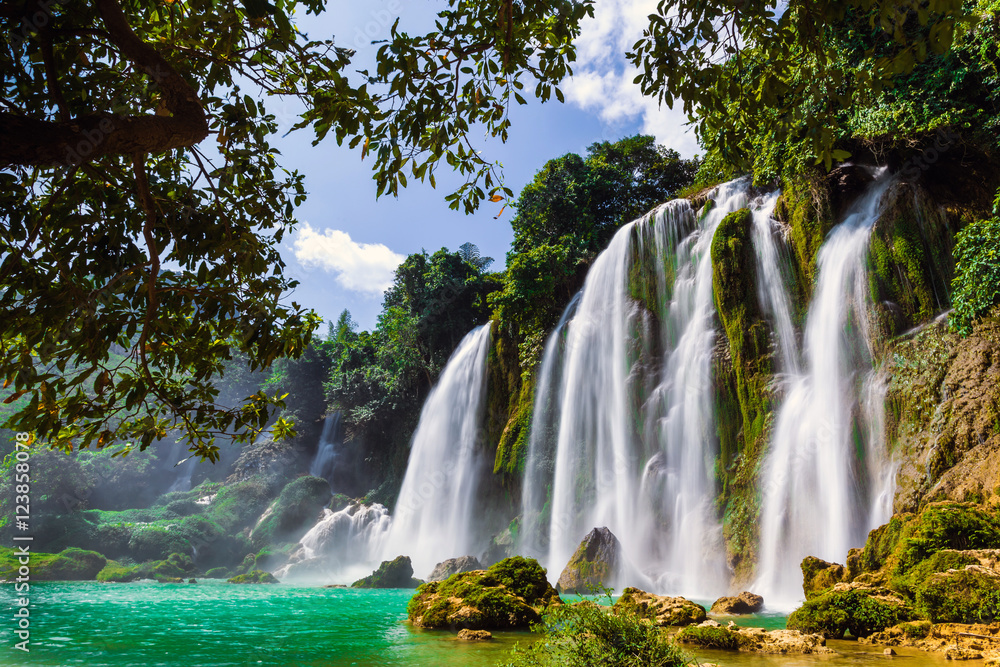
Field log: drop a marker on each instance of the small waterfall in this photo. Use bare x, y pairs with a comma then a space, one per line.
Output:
185, 468
773, 282
538, 466
326, 452
635, 444
820, 483
342, 547
432, 520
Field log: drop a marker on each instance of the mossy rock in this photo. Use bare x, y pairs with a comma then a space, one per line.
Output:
969, 595
69, 565
819, 575
509, 594
709, 637
254, 577
217, 573
595, 563
164, 579
396, 573
661, 610
116, 572
858, 611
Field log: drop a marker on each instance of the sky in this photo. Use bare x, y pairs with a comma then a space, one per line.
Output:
347, 244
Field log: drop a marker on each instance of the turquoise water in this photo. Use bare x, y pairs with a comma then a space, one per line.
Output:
214, 624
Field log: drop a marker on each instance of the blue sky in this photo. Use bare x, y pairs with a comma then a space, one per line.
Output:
347, 244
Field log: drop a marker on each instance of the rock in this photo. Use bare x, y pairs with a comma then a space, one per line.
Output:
744, 603
453, 566
754, 640
845, 183
396, 573
192, 581
957, 653
68, 565
254, 577
958, 596
818, 575
335, 586
474, 635
509, 594
888, 651
662, 610
597, 562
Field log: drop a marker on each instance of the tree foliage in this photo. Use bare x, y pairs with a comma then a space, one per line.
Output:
136, 257
788, 69
567, 215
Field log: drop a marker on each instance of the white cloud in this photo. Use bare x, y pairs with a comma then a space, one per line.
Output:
359, 267
602, 79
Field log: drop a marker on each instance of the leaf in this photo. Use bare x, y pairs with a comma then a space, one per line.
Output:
496, 198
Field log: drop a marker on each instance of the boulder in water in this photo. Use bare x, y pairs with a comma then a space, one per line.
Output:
744, 603
474, 635
509, 594
596, 562
453, 566
397, 573
660, 609
254, 577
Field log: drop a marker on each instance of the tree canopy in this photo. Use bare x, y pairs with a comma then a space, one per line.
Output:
143, 201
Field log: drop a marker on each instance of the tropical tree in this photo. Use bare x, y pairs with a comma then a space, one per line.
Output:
141, 199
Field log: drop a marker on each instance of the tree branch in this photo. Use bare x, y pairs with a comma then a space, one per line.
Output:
44, 143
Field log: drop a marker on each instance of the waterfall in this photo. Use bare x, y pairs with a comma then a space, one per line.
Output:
326, 452
538, 463
342, 547
432, 520
825, 480
635, 442
773, 282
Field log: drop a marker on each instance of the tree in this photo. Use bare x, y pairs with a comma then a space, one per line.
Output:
696, 53
137, 257
567, 215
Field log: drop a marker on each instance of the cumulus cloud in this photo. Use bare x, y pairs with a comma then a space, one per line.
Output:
359, 267
602, 79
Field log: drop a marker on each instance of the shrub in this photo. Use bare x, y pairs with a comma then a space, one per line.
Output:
254, 577
585, 634
976, 285
719, 638
962, 596
860, 612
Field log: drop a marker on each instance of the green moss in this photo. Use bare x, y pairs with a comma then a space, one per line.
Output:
397, 573
819, 575
716, 638
510, 594
916, 629
217, 573
805, 206
254, 577
71, 564
293, 512
117, 572
859, 612
970, 595
744, 383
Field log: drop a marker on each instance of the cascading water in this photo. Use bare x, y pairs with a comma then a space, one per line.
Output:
635, 440
539, 461
326, 452
432, 520
342, 547
820, 484
773, 281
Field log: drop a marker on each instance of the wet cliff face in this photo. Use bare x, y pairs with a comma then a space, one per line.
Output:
943, 414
